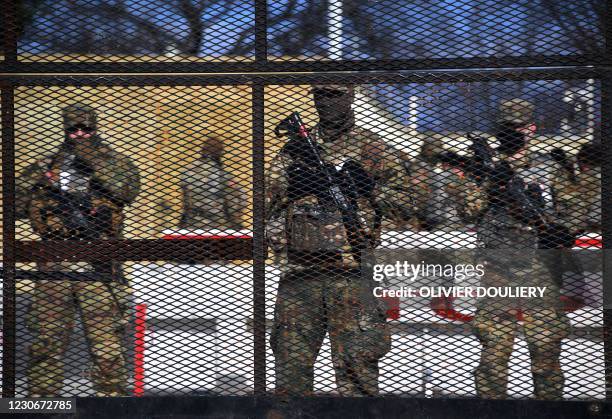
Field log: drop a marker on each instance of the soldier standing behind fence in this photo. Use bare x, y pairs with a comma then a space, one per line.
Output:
511, 259
580, 202
78, 193
322, 290
446, 199
211, 197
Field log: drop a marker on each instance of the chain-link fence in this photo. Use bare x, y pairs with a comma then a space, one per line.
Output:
427, 223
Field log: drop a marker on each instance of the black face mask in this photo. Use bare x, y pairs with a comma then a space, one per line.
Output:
334, 109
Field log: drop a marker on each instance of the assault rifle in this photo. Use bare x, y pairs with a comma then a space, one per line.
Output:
479, 166
75, 211
507, 188
336, 190
74, 207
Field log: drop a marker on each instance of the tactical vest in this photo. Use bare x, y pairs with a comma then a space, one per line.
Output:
68, 198
311, 226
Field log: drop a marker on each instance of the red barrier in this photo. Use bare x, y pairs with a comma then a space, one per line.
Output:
204, 236
393, 307
588, 242
139, 347
185, 234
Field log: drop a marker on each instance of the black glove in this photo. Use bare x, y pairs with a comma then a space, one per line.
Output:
102, 219
429, 223
54, 235
535, 196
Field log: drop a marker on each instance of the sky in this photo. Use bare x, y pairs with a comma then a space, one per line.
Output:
417, 28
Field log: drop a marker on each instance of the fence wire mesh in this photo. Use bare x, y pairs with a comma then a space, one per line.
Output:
250, 233
428, 191
355, 30
388, 29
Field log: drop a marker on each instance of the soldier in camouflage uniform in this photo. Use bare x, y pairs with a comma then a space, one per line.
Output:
78, 193
322, 290
445, 198
511, 259
580, 201
211, 197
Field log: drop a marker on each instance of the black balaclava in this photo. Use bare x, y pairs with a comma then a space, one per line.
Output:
334, 106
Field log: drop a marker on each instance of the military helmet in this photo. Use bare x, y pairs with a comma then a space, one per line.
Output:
432, 146
516, 111
79, 114
212, 147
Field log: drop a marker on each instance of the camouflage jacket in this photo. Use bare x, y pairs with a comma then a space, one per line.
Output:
511, 258
541, 169
509, 246
211, 198
71, 195
303, 225
579, 203
445, 198
499, 229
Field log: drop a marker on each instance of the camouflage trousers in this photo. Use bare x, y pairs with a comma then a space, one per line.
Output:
544, 329
103, 311
312, 303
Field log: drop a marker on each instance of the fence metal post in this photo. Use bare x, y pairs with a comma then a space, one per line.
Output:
606, 199
9, 50
261, 33
9, 15
8, 242
259, 244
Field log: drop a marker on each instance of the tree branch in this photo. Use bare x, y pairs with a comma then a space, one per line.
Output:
193, 15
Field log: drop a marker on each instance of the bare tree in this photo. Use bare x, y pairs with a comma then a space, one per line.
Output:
307, 29
113, 27
295, 27
26, 10
292, 29
584, 24
118, 27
